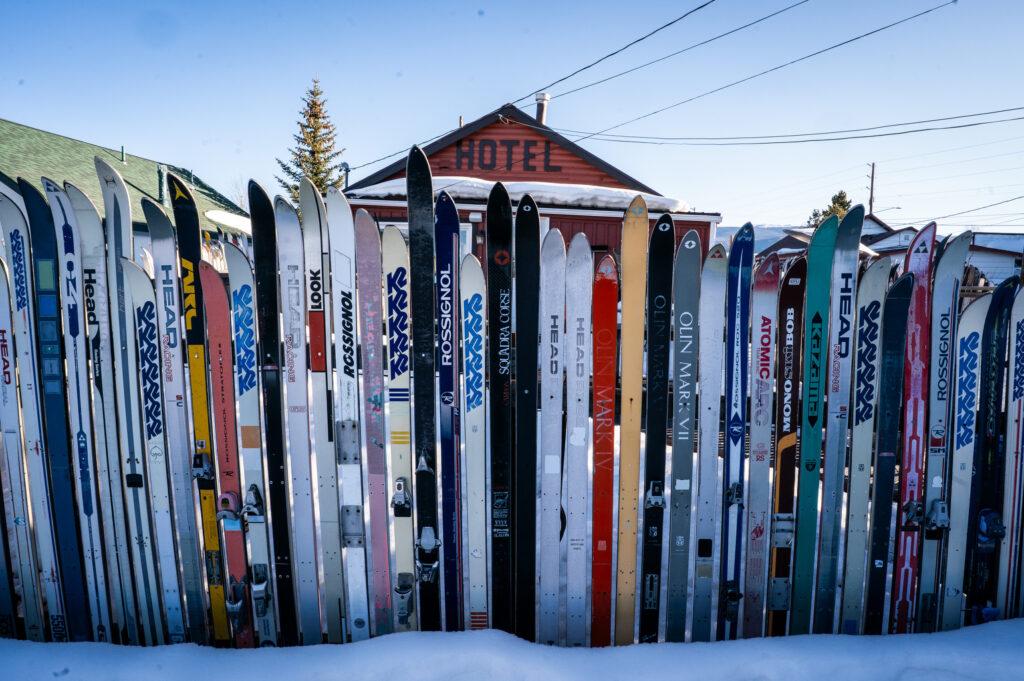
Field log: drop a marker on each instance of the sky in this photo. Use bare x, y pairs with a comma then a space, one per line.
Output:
216, 87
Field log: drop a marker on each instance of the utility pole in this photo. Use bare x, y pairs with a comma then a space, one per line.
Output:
871, 191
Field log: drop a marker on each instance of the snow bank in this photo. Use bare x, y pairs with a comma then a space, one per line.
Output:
544, 193
992, 651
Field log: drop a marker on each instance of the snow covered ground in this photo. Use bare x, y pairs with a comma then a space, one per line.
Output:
994, 651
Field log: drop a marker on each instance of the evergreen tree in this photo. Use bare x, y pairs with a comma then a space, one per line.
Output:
314, 154
838, 206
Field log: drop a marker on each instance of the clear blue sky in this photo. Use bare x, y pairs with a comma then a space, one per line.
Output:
216, 87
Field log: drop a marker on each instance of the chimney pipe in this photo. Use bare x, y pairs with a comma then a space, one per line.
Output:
542, 107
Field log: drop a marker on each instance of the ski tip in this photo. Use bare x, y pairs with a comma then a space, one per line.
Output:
579, 245
717, 252
527, 209
469, 261
417, 164
552, 244
637, 207
607, 269
665, 224
768, 269
690, 243
855, 214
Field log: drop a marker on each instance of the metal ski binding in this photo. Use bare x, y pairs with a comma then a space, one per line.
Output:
655, 497
348, 442
400, 500
403, 596
352, 532
202, 467
426, 572
731, 595
428, 540
253, 511
938, 516
783, 528
734, 493
422, 467
234, 602
227, 506
260, 590
913, 514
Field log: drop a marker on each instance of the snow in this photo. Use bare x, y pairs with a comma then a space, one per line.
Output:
992, 651
233, 222
544, 193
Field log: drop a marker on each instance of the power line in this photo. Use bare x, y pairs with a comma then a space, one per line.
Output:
617, 51
771, 70
953, 162
958, 191
679, 52
799, 134
401, 151
951, 149
970, 210
953, 177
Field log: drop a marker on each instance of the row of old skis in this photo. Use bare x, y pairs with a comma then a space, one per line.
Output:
356, 432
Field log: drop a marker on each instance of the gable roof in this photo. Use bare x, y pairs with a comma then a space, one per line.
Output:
32, 153
504, 114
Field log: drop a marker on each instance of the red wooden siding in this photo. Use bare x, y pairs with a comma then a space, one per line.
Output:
509, 152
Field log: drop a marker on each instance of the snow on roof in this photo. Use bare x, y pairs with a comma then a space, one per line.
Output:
544, 193
232, 221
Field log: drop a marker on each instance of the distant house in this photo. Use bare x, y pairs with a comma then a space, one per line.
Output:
31, 153
576, 190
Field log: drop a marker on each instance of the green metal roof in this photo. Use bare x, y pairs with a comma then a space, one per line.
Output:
31, 153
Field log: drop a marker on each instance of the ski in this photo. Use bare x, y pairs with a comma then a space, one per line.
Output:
526, 245
987, 520
291, 280
472, 293
186, 220
225, 448
605, 353
870, 296
316, 256
787, 420
371, 326
819, 276
22, 552
576, 351
176, 414
421, 291
142, 300
764, 327
1008, 588
966, 388
269, 349
660, 254
685, 303
842, 321
890, 404
500, 409
253, 510
549, 460
737, 301
79, 410
396, 275
709, 490
949, 271
49, 347
636, 229
446, 240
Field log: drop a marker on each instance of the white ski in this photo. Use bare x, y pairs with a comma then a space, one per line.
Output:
549, 459
291, 274
867, 358
474, 440
579, 288
965, 414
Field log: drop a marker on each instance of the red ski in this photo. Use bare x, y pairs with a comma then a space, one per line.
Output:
222, 403
605, 319
915, 430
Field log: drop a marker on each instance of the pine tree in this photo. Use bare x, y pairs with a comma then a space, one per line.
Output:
314, 154
838, 206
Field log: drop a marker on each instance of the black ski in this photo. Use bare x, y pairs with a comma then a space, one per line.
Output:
887, 444
499, 356
527, 267
985, 529
421, 291
50, 345
660, 255
264, 247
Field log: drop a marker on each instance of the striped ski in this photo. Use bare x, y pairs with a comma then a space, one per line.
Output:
316, 257
472, 294
819, 275
915, 424
635, 233
605, 352
867, 354
660, 254
253, 511
576, 348
396, 276
764, 327
736, 393
685, 302
549, 460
